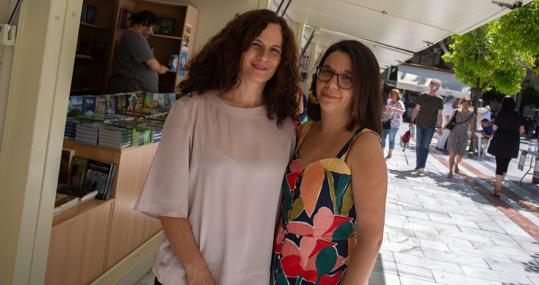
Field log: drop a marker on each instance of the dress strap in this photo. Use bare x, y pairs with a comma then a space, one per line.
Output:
344, 151
304, 131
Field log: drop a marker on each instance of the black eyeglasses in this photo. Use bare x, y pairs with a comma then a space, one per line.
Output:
344, 80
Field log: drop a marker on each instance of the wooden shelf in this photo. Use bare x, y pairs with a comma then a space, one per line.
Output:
77, 210
87, 57
166, 37
164, 2
84, 24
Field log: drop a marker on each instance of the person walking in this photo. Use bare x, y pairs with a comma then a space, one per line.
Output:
459, 135
505, 144
426, 114
392, 119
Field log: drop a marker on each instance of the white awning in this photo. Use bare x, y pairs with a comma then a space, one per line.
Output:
417, 79
394, 29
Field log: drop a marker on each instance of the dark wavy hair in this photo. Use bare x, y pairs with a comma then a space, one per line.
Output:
145, 18
216, 66
367, 102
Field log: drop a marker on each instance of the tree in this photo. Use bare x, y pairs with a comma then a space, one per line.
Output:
497, 54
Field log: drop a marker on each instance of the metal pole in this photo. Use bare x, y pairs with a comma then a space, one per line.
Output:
279, 8
14, 12
307, 45
286, 8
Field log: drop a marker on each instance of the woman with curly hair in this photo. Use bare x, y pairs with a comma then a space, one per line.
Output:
334, 191
215, 179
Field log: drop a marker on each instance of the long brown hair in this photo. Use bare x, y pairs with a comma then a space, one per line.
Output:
367, 102
216, 66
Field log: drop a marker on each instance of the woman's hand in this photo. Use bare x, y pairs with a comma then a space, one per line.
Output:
199, 275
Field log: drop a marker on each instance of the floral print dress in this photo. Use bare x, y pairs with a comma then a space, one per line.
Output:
317, 231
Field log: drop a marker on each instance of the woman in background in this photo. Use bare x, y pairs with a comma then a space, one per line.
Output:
393, 113
505, 144
459, 136
214, 182
334, 191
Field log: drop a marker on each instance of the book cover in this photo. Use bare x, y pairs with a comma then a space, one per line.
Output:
65, 163
75, 104
148, 103
166, 26
88, 105
97, 177
100, 105
77, 170
91, 13
62, 199
110, 104
135, 101
121, 102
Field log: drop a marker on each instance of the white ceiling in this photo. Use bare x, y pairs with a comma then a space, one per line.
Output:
394, 29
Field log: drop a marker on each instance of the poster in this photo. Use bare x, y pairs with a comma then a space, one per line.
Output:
182, 62
186, 39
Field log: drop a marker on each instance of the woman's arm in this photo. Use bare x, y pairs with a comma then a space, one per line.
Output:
180, 235
397, 110
369, 183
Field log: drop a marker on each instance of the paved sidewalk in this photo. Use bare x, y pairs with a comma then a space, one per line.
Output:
442, 231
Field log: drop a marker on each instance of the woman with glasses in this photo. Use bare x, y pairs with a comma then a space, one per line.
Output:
334, 190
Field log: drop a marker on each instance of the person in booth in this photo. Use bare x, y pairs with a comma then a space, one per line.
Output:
135, 68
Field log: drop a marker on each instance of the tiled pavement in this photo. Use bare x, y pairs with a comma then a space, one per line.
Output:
441, 231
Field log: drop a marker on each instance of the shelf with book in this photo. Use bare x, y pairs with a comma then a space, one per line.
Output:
97, 234
84, 24
166, 37
87, 57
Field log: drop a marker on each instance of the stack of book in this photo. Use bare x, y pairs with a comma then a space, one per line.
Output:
141, 136
114, 137
87, 133
69, 196
87, 179
71, 128
99, 177
156, 134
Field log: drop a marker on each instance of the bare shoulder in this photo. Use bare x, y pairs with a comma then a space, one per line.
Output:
366, 149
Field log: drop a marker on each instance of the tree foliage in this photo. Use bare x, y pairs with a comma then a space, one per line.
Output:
499, 53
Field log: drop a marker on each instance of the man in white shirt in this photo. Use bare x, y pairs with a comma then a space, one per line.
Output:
450, 104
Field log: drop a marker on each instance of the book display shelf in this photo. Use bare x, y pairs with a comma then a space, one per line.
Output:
90, 238
91, 69
93, 236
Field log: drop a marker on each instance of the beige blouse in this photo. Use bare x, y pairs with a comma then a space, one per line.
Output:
221, 167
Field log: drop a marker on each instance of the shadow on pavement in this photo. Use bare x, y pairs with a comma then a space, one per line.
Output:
455, 185
377, 275
533, 265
